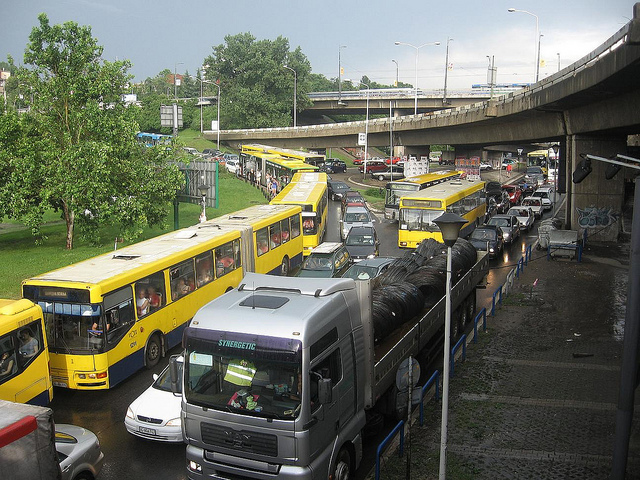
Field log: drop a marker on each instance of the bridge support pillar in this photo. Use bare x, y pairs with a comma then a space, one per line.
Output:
596, 203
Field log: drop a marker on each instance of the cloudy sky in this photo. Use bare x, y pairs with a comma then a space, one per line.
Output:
159, 34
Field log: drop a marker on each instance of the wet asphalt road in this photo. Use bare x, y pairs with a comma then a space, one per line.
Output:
128, 457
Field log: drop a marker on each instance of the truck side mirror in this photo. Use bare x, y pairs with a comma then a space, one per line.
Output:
173, 372
324, 390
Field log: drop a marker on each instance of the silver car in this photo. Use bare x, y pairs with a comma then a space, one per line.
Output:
79, 452
355, 216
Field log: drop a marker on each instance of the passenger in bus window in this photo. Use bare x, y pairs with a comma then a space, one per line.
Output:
29, 346
155, 300
7, 364
142, 302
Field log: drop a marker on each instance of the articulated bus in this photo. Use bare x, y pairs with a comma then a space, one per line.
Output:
153, 139
263, 164
406, 186
418, 211
109, 316
539, 158
24, 357
315, 159
309, 190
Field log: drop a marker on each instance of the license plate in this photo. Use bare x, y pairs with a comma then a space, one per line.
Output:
60, 384
148, 431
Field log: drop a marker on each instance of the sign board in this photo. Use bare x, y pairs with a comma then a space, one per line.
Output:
362, 139
166, 116
196, 174
413, 167
214, 125
470, 167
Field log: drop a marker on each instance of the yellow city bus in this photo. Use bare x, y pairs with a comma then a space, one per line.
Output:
315, 159
418, 211
270, 165
539, 158
309, 190
408, 185
24, 357
109, 316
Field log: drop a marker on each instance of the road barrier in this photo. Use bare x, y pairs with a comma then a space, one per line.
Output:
462, 342
391, 436
434, 378
482, 313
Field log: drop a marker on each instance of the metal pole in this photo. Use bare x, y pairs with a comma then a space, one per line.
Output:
396, 72
629, 369
445, 369
366, 136
218, 119
295, 94
537, 50
446, 70
200, 104
538, 54
415, 108
340, 47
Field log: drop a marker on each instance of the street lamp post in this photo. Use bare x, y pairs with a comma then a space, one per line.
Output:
295, 94
446, 70
202, 69
396, 71
218, 117
450, 225
537, 49
366, 130
340, 73
175, 97
415, 110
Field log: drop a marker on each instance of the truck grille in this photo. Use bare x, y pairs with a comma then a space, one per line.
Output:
259, 443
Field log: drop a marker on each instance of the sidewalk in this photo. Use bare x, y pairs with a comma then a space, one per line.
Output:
537, 396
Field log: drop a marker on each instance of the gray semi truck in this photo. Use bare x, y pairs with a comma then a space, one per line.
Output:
281, 374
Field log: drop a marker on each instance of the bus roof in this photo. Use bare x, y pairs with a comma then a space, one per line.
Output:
282, 152
449, 192
296, 193
309, 177
426, 177
538, 153
173, 246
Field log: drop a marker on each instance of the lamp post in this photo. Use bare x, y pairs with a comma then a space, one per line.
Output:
203, 189
396, 71
340, 74
446, 70
218, 117
556, 149
450, 225
202, 69
366, 131
295, 94
175, 79
537, 49
491, 76
415, 110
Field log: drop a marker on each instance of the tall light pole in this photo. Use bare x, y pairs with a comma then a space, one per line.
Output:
491, 76
366, 130
537, 49
450, 225
446, 70
340, 73
175, 79
415, 110
295, 95
396, 71
217, 84
203, 69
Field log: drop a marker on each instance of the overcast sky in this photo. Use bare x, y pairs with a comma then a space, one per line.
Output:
159, 34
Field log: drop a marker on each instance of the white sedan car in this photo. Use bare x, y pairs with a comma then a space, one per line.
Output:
525, 216
155, 414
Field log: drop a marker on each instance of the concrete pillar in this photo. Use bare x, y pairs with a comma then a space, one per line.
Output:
596, 203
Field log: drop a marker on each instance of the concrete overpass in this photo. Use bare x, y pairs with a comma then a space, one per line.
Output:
590, 107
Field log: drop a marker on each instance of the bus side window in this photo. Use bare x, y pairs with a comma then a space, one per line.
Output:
204, 269
262, 241
295, 226
276, 235
182, 279
284, 227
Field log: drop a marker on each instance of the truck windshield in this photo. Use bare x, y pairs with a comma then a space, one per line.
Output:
249, 374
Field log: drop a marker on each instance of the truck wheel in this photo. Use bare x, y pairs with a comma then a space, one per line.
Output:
284, 267
154, 349
342, 467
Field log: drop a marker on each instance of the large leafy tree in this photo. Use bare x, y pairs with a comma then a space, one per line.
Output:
75, 150
256, 89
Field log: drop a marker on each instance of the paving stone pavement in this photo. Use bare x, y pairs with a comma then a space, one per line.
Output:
536, 397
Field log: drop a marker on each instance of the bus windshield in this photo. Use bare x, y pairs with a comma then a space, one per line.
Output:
421, 220
249, 374
72, 326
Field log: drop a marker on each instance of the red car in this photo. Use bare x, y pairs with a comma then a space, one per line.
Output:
374, 166
358, 161
515, 193
393, 160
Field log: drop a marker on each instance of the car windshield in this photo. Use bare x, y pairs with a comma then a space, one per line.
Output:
314, 262
356, 217
360, 272
355, 240
483, 234
340, 186
500, 221
534, 170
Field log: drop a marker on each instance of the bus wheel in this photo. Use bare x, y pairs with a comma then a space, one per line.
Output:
284, 268
342, 467
153, 351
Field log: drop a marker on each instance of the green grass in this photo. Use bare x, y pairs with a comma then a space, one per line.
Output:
22, 258
192, 138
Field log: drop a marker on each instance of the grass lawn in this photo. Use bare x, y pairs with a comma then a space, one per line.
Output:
22, 258
194, 139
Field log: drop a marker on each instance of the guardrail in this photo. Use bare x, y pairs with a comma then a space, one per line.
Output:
482, 313
435, 377
461, 343
391, 436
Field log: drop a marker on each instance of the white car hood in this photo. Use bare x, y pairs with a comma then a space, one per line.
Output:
154, 403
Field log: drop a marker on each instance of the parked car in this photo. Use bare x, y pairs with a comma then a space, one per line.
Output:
393, 161
392, 171
509, 224
535, 204
488, 238
358, 161
79, 452
191, 150
337, 189
334, 165
507, 161
362, 243
355, 216
232, 165
514, 192
373, 166
368, 268
155, 414
545, 194
525, 216
534, 176
351, 198
485, 166
214, 152
327, 260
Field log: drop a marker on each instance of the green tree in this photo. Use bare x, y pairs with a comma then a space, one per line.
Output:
256, 90
75, 150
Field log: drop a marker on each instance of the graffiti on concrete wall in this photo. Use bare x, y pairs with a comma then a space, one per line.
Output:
594, 217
